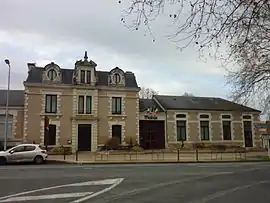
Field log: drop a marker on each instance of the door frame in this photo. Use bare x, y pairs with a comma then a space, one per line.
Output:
91, 135
252, 133
150, 125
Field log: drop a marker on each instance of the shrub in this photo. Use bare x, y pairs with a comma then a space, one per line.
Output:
60, 150
219, 147
137, 149
198, 145
113, 143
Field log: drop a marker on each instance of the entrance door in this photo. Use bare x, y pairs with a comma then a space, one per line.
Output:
117, 132
248, 134
50, 135
84, 137
152, 134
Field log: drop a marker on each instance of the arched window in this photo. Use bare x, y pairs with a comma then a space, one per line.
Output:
51, 74
117, 78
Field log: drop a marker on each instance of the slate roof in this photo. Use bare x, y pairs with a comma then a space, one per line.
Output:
16, 98
200, 103
144, 104
35, 76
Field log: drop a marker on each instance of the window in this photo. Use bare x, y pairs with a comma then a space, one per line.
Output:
226, 130
246, 117
204, 130
82, 76
204, 116
117, 105
116, 78
18, 149
117, 132
51, 103
85, 105
88, 104
52, 74
29, 148
81, 105
226, 116
181, 130
2, 127
88, 77
181, 116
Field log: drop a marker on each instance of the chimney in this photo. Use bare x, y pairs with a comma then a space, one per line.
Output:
31, 66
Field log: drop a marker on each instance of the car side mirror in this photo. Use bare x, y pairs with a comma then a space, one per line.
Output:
11, 151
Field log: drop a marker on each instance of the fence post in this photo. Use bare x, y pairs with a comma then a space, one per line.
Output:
178, 154
64, 151
76, 155
197, 154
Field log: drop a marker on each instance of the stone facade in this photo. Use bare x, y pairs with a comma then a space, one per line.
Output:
102, 87
215, 126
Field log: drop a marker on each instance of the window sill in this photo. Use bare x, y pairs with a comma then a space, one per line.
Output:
51, 114
112, 116
84, 117
117, 115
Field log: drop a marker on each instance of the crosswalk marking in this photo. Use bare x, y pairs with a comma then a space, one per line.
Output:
47, 197
82, 196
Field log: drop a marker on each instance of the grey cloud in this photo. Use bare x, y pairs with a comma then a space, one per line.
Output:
93, 22
70, 27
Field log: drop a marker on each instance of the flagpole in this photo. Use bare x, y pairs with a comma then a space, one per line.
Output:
7, 105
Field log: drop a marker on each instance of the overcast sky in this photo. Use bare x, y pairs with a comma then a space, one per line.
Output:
60, 31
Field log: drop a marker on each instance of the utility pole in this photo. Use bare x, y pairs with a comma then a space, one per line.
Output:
7, 105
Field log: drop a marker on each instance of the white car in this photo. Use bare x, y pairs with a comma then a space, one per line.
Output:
24, 153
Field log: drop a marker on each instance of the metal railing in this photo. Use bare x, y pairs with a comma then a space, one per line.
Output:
178, 155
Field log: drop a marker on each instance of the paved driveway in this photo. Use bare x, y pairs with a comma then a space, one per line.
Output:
187, 183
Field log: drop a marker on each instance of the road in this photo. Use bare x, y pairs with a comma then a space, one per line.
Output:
146, 183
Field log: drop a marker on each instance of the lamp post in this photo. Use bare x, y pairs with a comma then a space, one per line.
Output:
7, 103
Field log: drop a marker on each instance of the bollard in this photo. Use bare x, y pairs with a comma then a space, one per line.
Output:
197, 154
76, 155
178, 155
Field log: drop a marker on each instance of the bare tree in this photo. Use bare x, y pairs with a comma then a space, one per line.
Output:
147, 93
236, 31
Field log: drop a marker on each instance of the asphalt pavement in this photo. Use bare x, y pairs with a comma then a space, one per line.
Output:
139, 183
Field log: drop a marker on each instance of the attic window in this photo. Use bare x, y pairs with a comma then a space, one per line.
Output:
51, 74
181, 116
246, 117
226, 116
204, 116
116, 78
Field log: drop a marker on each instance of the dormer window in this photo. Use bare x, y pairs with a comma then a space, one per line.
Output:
82, 76
52, 74
117, 78
88, 77
85, 76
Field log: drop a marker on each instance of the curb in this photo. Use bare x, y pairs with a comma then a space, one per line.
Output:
150, 162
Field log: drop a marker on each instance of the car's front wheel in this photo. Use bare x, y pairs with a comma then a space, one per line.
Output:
39, 160
3, 160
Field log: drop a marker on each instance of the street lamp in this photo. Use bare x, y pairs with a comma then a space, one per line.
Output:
7, 103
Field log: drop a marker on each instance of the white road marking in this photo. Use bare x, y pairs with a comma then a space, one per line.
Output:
112, 182
225, 192
99, 192
47, 197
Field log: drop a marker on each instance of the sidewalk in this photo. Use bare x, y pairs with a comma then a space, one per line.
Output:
111, 158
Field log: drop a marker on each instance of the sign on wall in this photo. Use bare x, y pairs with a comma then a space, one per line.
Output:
151, 113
